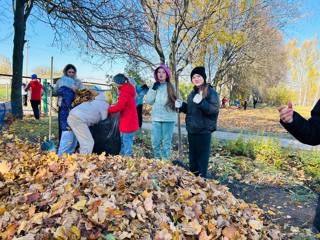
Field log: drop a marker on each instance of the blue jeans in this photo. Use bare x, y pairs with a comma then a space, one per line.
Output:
126, 144
162, 133
68, 143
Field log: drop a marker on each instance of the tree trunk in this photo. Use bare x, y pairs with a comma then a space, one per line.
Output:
17, 60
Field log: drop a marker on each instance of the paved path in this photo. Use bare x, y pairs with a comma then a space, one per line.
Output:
222, 135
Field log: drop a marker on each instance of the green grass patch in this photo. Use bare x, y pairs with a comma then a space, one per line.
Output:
35, 131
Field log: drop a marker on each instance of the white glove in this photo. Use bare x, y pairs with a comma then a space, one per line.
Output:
178, 103
197, 98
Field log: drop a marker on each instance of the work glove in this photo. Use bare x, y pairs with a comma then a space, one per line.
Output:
144, 87
198, 98
178, 103
156, 85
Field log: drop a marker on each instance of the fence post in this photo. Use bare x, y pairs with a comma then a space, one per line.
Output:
45, 96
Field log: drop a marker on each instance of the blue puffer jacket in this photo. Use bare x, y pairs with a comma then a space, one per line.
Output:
67, 95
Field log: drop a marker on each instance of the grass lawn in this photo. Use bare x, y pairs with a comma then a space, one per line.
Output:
3, 93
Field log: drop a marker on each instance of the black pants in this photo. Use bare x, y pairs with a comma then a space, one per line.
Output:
25, 100
199, 152
35, 107
139, 110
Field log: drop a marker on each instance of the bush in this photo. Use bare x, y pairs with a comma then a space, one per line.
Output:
185, 89
311, 163
279, 95
266, 151
240, 147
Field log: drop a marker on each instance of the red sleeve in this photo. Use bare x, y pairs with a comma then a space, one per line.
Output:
27, 87
119, 106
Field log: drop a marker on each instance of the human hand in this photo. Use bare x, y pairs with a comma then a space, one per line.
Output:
144, 87
156, 85
197, 98
178, 103
286, 113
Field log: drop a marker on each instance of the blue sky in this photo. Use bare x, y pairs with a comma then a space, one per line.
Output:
40, 38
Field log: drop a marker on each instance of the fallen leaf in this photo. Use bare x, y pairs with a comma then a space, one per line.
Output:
80, 205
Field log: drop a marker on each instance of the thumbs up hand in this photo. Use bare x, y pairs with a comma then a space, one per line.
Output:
286, 113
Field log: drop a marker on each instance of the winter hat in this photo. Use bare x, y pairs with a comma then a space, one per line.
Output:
34, 76
120, 79
166, 69
199, 70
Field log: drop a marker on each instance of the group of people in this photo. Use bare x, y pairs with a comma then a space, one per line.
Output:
201, 109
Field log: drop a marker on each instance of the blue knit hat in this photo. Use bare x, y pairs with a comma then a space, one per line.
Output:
120, 79
34, 76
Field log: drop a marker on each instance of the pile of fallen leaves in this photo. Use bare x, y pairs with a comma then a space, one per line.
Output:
101, 197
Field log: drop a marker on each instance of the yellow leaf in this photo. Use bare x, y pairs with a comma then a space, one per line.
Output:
80, 205
76, 232
4, 167
9, 232
57, 206
38, 217
2, 210
60, 233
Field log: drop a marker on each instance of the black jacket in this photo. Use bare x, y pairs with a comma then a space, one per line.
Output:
306, 131
202, 118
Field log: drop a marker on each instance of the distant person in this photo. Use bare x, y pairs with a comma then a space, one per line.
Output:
306, 131
255, 101
162, 98
36, 90
202, 109
69, 79
24, 94
126, 105
237, 103
245, 104
141, 90
224, 102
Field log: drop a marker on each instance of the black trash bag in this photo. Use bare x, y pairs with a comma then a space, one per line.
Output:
106, 135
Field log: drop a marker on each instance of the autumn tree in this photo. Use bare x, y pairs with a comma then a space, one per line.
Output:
5, 65
248, 53
304, 71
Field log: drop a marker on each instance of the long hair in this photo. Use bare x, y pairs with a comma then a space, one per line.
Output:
171, 96
204, 88
170, 90
68, 67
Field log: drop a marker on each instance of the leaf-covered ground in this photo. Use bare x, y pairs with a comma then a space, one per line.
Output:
283, 186
99, 197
